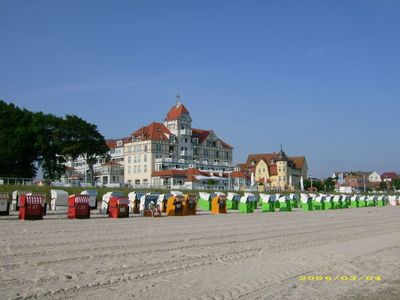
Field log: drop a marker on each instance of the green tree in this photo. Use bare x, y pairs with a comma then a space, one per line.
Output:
383, 185
329, 184
82, 139
17, 151
315, 184
49, 144
396, 183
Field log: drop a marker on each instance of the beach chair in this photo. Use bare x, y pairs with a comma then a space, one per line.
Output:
175, 204
381, 200
189, 205
306, 202
162, 202
393, 200
134, 201
319, 202
5, 203
345, 201
284, 203
205, 200
277, 204
337, 201
218, 204
148, 205
355, 201
79, 207
329, 204
232, 201
246, 204
59, 200
371, 200
362, 201
106, 199
267, 203
295, 200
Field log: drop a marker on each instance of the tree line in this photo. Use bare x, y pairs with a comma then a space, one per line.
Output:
30, 139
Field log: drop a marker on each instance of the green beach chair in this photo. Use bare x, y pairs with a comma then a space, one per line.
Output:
295, 200
306, 202
319, 202
232, 201
284, 203
246, 204
205, 201
355, 201
267, 203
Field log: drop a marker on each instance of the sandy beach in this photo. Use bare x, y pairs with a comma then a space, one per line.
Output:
233, 256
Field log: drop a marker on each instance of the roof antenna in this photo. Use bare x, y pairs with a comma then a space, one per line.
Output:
178, 99
281, 148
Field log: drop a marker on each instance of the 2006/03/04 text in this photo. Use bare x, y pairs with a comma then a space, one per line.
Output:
340, 278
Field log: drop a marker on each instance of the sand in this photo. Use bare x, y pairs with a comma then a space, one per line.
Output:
233, 256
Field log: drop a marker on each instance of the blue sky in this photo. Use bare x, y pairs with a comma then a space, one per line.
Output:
320, 77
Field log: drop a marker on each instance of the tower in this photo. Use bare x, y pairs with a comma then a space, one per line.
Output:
282, 166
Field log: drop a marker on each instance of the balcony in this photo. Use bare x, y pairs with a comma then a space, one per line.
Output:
186, 132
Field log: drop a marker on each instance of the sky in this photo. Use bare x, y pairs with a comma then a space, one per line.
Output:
322, 78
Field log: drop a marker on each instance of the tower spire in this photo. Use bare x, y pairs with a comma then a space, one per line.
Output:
178, 99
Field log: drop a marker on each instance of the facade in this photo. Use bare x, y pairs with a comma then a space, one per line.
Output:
357, 180
174, 146
104, 173
389, 176
276, 171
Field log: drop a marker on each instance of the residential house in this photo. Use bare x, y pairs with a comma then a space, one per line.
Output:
276, 171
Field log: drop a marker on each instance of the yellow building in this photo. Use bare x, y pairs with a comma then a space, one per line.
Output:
277, 171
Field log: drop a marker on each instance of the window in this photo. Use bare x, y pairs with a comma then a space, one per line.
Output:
185, 140
134, 169
129, 169
145, 168
145, 148
139, 158
129, 159
139, 168
145, 157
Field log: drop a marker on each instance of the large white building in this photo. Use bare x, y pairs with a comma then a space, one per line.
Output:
158, 151
106, 173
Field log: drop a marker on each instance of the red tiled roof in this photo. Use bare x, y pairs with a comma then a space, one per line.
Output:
239, 174
391, 175
267, 157
154, 131
193, 171
225, 145
191, 178
175, 112
202, 135
112, 143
